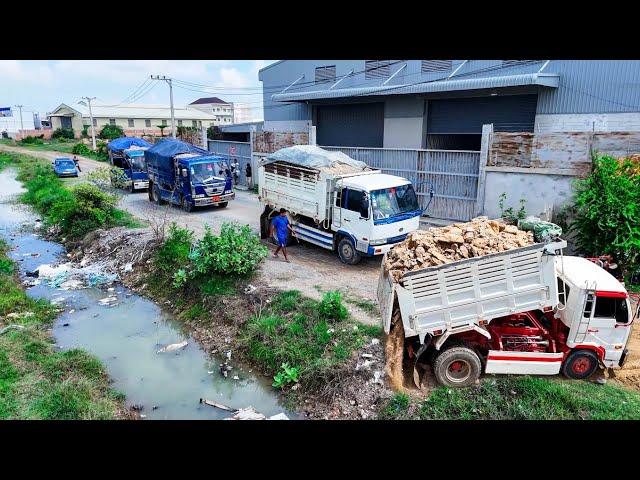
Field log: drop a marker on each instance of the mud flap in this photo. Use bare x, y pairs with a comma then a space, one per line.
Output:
417, 379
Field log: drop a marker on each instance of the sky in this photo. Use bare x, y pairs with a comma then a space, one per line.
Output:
43, 85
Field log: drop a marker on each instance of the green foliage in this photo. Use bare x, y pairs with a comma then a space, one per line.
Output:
524, 398
77, 210
285, 376
214, 133
111, 132
607, 211
30, 140
85, 129
291, 330
509, 213
174, 252
331, 307
81, 149
63, 133
236, 251
5, 159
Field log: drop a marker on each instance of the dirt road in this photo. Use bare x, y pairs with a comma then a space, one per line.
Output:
312, 270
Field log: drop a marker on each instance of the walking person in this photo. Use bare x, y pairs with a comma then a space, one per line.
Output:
281, 226
247, 172
76, 161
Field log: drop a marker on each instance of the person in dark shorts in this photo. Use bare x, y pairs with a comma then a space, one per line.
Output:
247, 172
280, 226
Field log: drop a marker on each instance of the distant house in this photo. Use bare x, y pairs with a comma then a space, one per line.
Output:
221, 110
135, 119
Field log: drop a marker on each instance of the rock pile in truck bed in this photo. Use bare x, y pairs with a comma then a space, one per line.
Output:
437, 246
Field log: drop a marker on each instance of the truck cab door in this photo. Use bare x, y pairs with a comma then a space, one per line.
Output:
610, 325
351, 216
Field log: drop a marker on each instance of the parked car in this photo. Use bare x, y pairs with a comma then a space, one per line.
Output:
65, 167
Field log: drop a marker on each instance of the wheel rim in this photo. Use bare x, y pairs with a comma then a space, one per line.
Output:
581, 365
458, 371
347, 251
155, 193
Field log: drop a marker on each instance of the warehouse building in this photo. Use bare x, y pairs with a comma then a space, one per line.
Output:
442, 104
134, 119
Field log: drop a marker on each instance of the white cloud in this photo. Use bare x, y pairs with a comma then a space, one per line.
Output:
24, 72
232, 77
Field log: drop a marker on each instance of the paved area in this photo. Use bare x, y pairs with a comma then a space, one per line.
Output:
312, 270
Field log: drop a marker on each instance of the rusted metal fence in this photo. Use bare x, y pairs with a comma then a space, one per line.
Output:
453, 175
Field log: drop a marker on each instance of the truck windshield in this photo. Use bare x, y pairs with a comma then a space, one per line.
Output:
137, 163
207, 172
393, 201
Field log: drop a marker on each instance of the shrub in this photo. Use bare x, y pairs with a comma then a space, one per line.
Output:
331, 307
63, 133
81, 149
607, 211
30, 140
110, 132
236, 251
509, 213
174, 252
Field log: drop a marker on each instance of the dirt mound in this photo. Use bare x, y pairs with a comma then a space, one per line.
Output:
441, 245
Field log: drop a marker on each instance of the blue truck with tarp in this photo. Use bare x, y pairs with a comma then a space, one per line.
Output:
188, 176
127, 154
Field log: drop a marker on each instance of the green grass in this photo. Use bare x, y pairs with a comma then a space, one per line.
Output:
521, 398
293, 329
38, 382
76, 209
364, 305
47, 145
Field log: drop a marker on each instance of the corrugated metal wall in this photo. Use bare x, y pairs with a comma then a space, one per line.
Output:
509, 113
345, 125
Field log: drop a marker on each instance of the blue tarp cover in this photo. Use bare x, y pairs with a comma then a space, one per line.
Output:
163, 152
123, 143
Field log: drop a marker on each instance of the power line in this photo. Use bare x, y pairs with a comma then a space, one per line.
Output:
136, 90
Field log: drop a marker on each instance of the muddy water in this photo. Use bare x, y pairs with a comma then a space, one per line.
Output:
128, 335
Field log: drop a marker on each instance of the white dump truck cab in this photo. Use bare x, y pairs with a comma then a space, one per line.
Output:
596, 309
373, 212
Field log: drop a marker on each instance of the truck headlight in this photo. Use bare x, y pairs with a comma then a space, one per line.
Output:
378, 242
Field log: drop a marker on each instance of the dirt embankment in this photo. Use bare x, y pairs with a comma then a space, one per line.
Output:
360, 389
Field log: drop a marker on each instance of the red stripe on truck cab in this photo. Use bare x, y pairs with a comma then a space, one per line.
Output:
606, 293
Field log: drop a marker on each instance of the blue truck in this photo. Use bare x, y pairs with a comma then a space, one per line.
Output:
127, 154
188, 176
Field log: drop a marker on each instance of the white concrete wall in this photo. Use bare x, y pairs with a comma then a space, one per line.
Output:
598, 122
541, 191
286, 125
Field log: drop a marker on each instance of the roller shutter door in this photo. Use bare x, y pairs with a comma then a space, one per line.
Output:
356, 125
509, 113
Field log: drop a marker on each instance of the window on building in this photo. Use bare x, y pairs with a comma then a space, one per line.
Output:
179, 123
130, 122
376, 69
429, 66
194, 123
112, 121
164, 122
147, 122
95, 122
326, 74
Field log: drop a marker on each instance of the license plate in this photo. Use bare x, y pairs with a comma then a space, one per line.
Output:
216, 198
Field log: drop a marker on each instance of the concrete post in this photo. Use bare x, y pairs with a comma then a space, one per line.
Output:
487, 132
312, 135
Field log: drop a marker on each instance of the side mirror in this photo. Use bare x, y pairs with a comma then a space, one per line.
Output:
364, 208
185, 173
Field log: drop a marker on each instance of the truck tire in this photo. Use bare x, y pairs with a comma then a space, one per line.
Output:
156, 195
580, 364
457, 367
347, 252
265, 224
186, 206
150, 191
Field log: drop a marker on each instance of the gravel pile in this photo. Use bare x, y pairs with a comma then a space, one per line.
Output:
437, 246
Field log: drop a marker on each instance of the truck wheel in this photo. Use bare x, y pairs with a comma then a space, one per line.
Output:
131, 188
348, 253
150, 191
156, 195
580, 364
186, 206
457, 367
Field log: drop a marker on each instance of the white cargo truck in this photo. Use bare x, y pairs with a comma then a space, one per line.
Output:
336, 202
528, 310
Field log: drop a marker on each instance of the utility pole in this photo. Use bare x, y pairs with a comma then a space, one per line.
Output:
93, 130
21, 123
173, 120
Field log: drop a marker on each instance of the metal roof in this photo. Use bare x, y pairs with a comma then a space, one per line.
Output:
207, 100
543, 79
132, 110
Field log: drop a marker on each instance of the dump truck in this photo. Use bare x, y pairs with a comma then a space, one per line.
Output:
185, 175
526, 310
127, 154
336, 202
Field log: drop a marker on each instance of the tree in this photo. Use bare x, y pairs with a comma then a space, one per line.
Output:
214, 133
109, 132
162, 127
